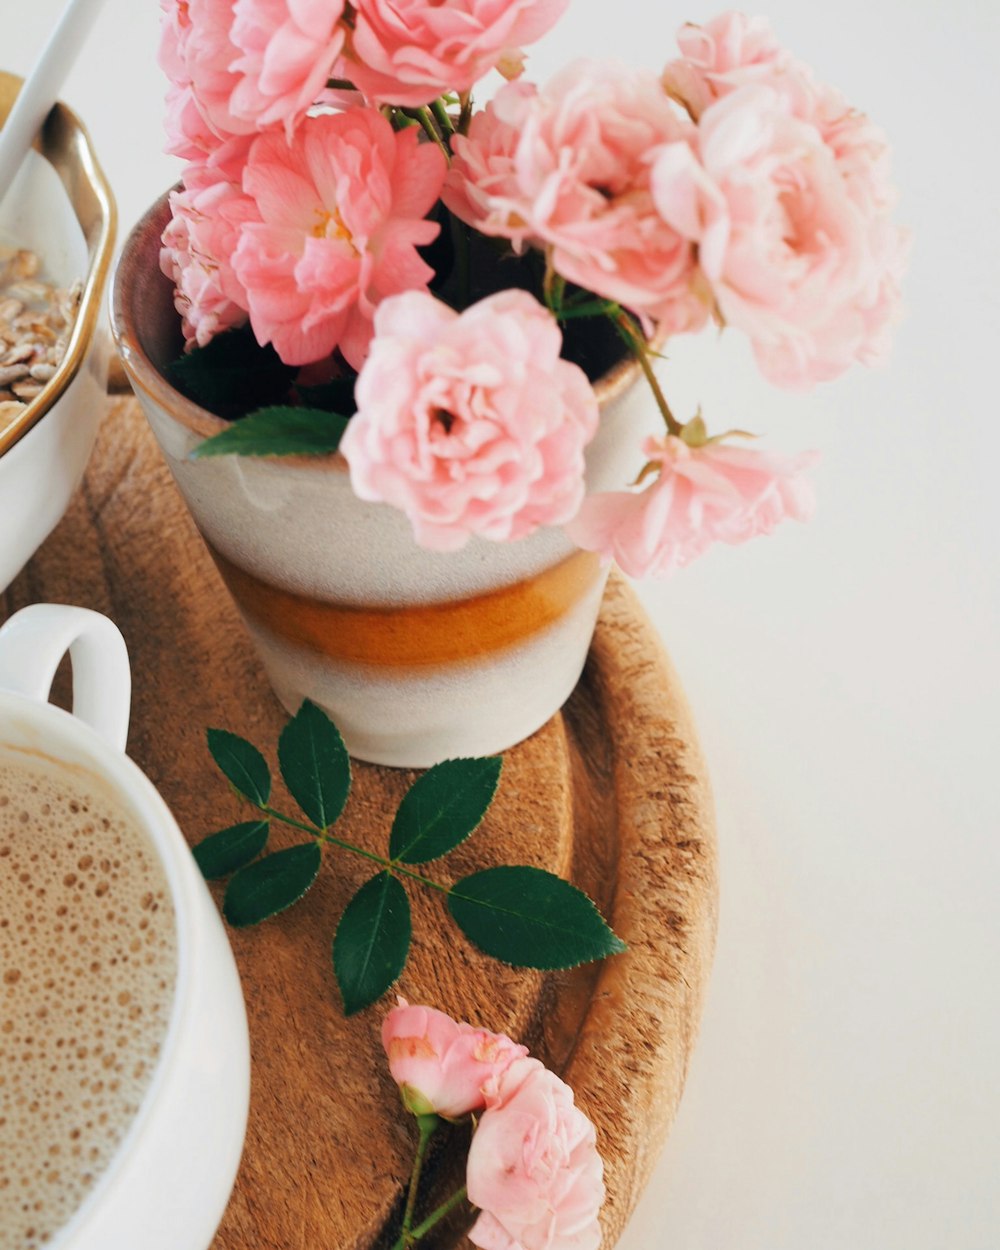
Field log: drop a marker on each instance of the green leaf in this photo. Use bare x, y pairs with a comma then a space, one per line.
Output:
530, 918
222, 853
443, 807
277, 431
271, 884
232, 374
242, 763
372, 942
334, 396
315, 764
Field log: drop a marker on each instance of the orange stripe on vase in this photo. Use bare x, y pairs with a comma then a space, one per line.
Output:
416, 635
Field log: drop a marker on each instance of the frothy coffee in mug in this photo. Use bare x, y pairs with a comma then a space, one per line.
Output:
88, 960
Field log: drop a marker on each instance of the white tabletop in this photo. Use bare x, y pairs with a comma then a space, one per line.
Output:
844, 675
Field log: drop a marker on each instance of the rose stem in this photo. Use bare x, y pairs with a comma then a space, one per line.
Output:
324, 836
436, 1216
465, 113
637, 347
426, 1125
443, 117
423, 116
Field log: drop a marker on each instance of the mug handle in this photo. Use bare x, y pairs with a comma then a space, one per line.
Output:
35, 639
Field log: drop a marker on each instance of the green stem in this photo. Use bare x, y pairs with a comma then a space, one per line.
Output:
426, 1124
325, 836
592, 308
424, 117
415, 876
465, 114
637, 347
443, 117
400, 121
438, 1214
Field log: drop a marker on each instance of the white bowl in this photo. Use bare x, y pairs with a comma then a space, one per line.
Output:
61, 207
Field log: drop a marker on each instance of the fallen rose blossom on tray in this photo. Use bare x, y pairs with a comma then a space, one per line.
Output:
533, 1174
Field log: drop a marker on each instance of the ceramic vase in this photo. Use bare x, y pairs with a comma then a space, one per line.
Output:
418, 656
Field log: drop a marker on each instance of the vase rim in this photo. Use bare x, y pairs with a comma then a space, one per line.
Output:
143, 245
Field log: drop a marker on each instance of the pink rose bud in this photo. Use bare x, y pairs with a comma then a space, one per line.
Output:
442, 1066
533, 1168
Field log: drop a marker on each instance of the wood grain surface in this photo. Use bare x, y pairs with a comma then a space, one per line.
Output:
612, 792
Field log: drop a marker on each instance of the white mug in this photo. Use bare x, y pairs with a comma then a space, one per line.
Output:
167, 1185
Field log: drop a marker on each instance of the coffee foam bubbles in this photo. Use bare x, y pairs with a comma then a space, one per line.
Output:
88, 961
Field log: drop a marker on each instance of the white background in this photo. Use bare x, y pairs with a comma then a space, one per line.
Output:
845, 1094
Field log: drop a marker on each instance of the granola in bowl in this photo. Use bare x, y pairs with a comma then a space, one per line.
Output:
36, 319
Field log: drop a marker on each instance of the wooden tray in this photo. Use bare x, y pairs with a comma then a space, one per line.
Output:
612, 792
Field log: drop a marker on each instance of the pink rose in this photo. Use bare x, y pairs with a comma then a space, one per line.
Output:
790, 214
411, 51
442, 1066
533, 1167
470, 423
337, 218
567, 168
699, 495
196, 53
199, 241
726, 53
288, 50
239, 66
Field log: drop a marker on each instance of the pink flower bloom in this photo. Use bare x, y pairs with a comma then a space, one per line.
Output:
700, 495
196, 53
239, 66
288, 48
338, 215
470, 423
442, 1066
199, 241
790, 215
567, 168
728, 52
533, 1167
411, 51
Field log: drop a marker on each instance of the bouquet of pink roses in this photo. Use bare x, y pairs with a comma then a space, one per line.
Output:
434, 287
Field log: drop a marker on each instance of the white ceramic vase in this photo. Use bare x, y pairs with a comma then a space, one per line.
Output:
418, 656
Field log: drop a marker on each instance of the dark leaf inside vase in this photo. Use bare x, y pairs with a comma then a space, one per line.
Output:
232, 374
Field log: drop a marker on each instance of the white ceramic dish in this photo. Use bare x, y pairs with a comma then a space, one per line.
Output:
60, 206
169, 1181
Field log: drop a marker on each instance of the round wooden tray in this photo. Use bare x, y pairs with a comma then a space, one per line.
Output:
612, 793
